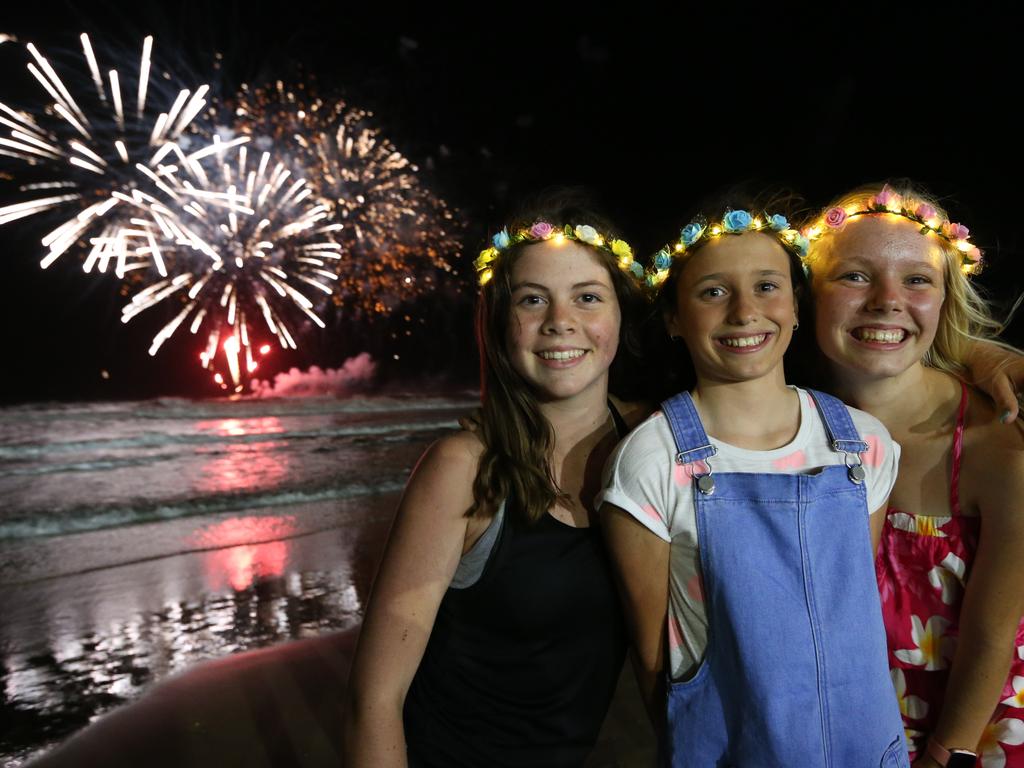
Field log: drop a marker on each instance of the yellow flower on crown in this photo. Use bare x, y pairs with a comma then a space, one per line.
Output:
621, 249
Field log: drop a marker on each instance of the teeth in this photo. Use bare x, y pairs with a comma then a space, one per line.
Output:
877, 334
570, 354
745, 341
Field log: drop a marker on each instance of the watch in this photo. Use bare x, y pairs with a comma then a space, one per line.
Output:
951, 758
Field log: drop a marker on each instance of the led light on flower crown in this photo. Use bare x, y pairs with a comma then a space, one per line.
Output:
485, 276
757, 223
716, 230
962, 245
679, 247
559, 238
932, 223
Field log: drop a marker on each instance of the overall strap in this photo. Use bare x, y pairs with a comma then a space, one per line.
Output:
842, 434
692, 443
958, 449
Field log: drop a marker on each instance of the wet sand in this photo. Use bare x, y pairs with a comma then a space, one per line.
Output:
96, 620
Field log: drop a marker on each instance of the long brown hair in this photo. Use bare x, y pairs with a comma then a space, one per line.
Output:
518, 439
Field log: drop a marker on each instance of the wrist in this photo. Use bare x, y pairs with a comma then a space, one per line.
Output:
950, 757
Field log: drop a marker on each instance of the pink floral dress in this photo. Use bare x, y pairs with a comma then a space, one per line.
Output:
922, 566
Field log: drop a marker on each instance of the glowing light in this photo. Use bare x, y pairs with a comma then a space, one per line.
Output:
264, 349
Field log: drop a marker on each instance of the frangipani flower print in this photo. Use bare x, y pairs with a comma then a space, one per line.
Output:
1017, 700
911, 707
1008, 732
948, 577
933, 649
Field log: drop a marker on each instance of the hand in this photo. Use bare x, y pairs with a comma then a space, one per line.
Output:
1000, 375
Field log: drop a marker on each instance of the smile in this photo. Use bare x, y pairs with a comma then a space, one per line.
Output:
561, 354
880, 335
743, 341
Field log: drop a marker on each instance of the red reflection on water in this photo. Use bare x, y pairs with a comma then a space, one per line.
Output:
243, 466
244, 549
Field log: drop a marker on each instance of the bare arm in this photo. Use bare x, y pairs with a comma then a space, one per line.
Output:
999, 373
992, 605
422, 554
877, 521
641, 562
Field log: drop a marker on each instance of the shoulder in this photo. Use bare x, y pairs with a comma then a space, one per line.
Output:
867, 425
448, 468
993, 452
649, 440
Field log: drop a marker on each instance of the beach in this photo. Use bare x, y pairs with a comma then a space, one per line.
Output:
139, 540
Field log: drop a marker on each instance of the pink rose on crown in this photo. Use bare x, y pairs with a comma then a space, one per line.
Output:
925, 211
958, 232
835, 217
885, 196
541, 230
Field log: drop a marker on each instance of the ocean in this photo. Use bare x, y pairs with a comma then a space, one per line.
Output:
138, 538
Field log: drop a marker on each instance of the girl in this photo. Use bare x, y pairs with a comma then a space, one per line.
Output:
493, 636
895, 315
737, 517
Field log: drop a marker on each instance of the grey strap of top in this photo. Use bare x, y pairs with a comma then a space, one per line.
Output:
471, 566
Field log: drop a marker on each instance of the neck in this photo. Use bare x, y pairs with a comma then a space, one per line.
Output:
900, 402
574, 419
751, 414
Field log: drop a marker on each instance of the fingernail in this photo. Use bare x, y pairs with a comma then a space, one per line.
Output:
1005, 417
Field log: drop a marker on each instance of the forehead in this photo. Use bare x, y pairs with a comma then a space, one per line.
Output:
749, 252
885, 239
550, 263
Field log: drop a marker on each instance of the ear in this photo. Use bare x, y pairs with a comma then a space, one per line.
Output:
671, 324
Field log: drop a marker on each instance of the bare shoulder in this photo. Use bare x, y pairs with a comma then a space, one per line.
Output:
632, 411
993, 457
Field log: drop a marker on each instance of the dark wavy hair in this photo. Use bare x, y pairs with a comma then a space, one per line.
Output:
518, 439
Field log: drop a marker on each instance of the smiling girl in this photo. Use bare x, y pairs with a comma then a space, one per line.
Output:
493, 636
896, 316
737, 517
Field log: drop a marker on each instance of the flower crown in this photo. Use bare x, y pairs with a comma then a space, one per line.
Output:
733, 223
922, 213
541, 231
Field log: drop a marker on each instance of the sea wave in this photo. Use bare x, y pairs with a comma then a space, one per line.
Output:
30, 523
153, 440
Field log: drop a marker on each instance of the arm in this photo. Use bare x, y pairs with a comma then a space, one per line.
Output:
422, 554
999, 373
641, 562
877, 521
992, 606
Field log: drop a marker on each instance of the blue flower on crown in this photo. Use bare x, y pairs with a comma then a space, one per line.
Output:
778, 222
800, 244
502, 240
691, 233
737, 221
662, 259
636, 269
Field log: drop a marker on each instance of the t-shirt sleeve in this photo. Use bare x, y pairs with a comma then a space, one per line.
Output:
881, 461
635, 479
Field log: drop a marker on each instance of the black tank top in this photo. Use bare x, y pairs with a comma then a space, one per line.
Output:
521, 666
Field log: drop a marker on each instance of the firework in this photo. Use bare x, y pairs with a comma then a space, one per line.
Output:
91, 148
242, 240
396, 235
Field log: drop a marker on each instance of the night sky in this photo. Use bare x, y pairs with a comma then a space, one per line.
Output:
651, 109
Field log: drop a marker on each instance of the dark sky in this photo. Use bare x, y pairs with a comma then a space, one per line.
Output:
651, 108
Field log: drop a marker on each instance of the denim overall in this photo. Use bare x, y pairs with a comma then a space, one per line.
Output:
795, 671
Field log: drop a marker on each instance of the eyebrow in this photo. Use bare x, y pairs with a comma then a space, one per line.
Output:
576, 286
918, 264
721, 275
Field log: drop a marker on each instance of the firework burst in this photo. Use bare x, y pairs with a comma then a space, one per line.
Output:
397, 235
236, 238
91, 147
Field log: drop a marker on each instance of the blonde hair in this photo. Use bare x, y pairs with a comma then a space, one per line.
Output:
965, 317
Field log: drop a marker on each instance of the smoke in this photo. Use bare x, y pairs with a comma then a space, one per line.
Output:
355, 375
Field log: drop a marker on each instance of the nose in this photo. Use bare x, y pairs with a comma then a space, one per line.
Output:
560, 318
885, 295
742, 310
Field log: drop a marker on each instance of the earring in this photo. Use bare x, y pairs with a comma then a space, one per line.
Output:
796, 325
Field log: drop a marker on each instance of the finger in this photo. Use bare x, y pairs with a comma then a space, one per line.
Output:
1005, 397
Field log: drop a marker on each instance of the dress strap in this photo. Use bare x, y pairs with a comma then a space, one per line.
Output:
621, 428
842, 434
692, 443
958, 449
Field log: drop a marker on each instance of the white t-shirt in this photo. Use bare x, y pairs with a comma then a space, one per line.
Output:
643, 479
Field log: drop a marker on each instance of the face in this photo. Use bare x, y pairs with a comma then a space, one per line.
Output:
735, 308
878, 293
564, 329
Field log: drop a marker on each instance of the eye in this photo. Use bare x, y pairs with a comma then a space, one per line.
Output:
919, 280
590, 298
853, 277
767, 286
530, 300
714, 292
